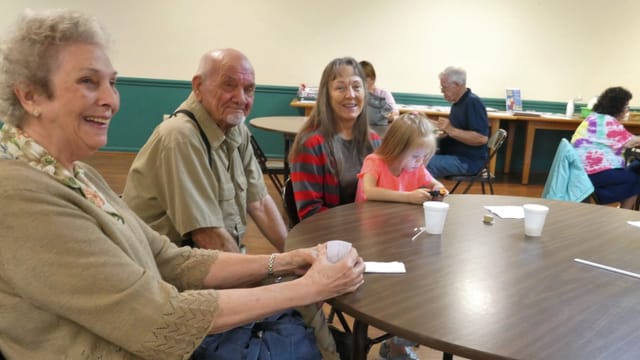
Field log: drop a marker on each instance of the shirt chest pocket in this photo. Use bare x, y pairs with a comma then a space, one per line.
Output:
228, 189
231, 182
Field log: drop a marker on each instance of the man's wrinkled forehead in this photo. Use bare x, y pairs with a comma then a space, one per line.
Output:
237, 71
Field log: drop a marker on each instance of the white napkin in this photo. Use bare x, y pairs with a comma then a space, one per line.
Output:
507, 212
634, 223
384, 267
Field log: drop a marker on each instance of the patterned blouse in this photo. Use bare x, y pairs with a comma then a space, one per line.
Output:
17, 145
599, 141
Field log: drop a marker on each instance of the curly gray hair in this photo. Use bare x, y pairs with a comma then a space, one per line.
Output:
29, 53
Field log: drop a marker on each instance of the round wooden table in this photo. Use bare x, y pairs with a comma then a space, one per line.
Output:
286, 125
488, 291
290, 125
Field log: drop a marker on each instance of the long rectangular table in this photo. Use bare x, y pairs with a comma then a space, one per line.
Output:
533, 123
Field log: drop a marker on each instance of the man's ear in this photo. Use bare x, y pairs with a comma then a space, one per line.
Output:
196, 83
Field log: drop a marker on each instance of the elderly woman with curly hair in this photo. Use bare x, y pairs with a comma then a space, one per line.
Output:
600, 141
81, 276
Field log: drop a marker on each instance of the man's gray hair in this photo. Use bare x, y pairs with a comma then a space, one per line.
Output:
455, 75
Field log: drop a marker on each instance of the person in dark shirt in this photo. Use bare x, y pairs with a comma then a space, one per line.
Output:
463, 145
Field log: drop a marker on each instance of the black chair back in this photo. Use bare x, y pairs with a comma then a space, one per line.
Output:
484, 175
289, 203
273, 173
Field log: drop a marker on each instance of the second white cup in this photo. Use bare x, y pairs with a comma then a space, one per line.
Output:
435, 214
534, 217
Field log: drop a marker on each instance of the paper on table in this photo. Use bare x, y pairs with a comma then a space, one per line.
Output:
507, 212
384, 267
634, 223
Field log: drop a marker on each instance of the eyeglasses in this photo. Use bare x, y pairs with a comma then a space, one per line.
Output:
448, 86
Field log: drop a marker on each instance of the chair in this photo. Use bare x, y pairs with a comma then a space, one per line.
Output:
631, 155
567, 179
483, 175
289, 203
274, 172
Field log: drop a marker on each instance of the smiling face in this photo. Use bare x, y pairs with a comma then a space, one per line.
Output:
346, 94
226, 88
73, 121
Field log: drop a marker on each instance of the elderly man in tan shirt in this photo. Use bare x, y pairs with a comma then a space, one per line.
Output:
197, 178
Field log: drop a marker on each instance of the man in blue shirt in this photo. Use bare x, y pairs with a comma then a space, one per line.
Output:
463, 146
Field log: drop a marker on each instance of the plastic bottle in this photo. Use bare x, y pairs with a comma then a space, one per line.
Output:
570, 108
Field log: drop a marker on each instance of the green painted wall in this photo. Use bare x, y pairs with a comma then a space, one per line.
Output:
144, 101
142, 104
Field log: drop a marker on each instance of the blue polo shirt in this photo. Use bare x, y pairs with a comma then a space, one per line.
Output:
468, 113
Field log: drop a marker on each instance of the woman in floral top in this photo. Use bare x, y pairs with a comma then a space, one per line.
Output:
600, 141
81, 276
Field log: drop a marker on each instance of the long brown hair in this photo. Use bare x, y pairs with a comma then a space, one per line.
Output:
323, 120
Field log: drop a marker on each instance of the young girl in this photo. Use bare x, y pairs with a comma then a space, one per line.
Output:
396, 170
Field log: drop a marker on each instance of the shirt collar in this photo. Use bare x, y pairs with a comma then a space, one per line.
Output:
213, 132
15, 144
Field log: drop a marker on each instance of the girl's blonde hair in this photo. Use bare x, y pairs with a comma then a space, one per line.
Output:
406, 132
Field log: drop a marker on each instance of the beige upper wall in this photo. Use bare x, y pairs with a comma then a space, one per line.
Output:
552, 50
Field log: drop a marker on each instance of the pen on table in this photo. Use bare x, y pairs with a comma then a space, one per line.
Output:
418, 234
609, 268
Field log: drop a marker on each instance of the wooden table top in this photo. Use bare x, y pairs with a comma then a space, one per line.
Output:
290, 125
498, 115
487, 291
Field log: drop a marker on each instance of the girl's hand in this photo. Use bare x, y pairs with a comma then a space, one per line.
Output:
418, 196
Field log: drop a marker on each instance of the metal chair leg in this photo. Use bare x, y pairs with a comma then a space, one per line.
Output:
466, 190
455, 187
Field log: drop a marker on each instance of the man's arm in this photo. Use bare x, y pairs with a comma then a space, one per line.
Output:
468, 137
265, 214
214, 238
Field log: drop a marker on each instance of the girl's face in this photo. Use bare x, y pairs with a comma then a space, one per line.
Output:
414, 157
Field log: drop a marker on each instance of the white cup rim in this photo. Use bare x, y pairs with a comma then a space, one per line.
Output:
535, 207
435, 205
339, 242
